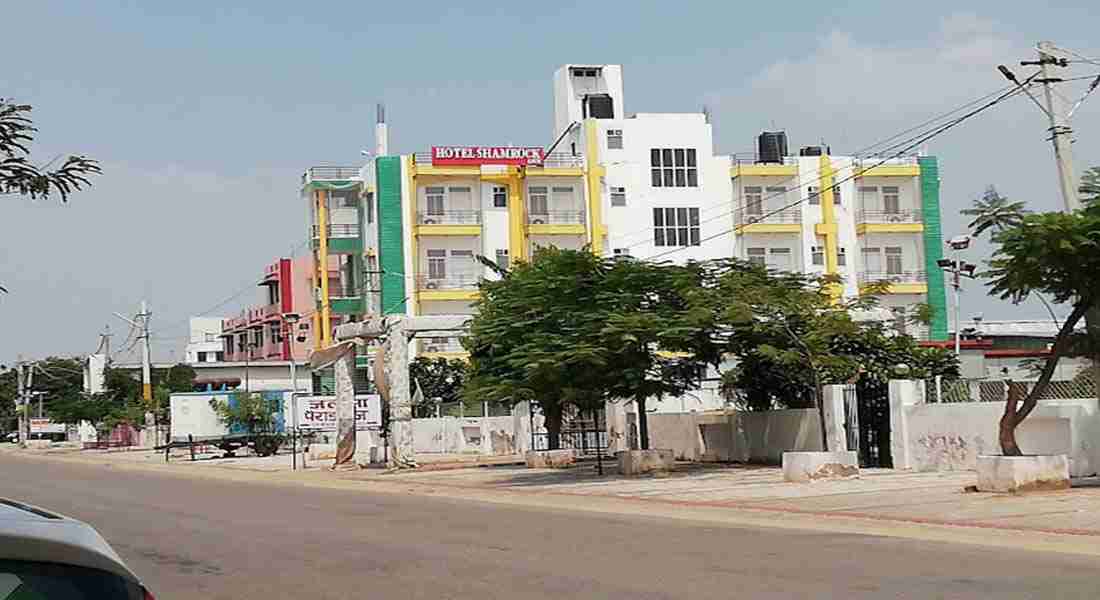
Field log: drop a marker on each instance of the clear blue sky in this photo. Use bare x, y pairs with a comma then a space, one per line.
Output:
204, 117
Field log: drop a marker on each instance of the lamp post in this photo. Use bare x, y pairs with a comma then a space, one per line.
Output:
958, 269
291, 319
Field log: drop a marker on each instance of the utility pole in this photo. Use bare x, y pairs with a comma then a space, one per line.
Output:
146, 357
20, 403
1061, 137
958, 269
1059, 124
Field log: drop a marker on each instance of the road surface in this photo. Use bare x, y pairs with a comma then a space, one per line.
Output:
199, 538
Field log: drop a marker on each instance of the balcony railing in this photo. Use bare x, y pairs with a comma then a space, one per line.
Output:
348, 290
784, 216
556, 217
884, 216
900, 277
330, 174
339, 230
457, 281
450, 217
752, 158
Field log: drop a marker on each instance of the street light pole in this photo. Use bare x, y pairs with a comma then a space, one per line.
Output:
958, 269
291, 319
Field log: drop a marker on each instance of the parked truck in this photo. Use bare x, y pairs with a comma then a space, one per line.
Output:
194, 420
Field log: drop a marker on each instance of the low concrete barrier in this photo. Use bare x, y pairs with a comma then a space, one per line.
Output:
640, 462
802, 467
1023, 473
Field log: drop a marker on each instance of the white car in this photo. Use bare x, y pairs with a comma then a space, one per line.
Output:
46, 556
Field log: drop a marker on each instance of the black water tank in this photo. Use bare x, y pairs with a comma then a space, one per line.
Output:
813, 150
598, 106
771, 147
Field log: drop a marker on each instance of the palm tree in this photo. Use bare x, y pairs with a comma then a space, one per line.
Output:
1090, 186
994, 211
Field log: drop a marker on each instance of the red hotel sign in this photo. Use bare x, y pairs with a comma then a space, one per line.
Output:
485, 155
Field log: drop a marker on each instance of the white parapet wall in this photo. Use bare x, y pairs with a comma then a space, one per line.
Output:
951, 436
465, 435
738, 436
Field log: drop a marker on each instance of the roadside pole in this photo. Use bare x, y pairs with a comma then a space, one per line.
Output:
20, 404
146, 358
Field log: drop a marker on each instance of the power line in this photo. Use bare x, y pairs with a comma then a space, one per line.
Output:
866, 150
920, 140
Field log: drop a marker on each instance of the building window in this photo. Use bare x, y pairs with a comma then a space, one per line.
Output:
780, 258
676, 227
757, 256
872, 260
868, 197
201, 357
369, 208
502, 258
618, 196
777, 191
893, 260
562, 197
673, 167
500, 196
614, 139
435, 200
813, 195
836, 195
273, 294
437, 264
817, 254
754, 200
538, 200
842, 257
219, 356
891, 200
276, 333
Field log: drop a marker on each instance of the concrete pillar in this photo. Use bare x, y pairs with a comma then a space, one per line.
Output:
397, 367
615, 424
904, 393
345, 408
832, 402
521, 426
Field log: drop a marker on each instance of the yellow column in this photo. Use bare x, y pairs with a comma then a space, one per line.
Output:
828, 228
412, 280
517, 215
322, 267
593, 175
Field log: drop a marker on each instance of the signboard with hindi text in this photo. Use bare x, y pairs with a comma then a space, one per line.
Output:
39, 425
486, 155
318, 413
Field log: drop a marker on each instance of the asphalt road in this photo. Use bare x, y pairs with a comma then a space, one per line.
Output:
197, 538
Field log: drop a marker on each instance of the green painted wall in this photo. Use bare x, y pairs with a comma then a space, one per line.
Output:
391, 242
933, 244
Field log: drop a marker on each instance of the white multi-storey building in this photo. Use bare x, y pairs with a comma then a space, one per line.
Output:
648, 185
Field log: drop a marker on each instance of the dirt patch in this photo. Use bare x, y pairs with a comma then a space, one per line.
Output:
835, 471
1043, 485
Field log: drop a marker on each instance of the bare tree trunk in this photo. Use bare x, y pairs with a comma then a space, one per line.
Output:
643, 423
552, 414
1012, 419
815, 395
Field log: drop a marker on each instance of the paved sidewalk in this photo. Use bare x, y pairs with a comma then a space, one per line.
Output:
880, 494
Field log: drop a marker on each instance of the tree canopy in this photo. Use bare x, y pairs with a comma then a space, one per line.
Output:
440, 378
18, 172
994, 211
1056, 254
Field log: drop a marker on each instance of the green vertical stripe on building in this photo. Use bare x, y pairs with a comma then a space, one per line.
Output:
933, 244
391, 249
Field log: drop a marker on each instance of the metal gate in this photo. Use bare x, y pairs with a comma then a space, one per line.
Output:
851, 417
873, 424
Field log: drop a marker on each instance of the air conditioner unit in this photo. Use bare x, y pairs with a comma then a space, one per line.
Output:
431, 285
433, 348
429, 221
538, 222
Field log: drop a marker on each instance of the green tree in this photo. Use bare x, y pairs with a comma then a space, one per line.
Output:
180, 378
994, 211
18, 172
1057, 254
253, 414
533, 336
1090, 186
439, 378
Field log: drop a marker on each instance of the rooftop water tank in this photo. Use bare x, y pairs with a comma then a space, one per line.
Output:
771, 147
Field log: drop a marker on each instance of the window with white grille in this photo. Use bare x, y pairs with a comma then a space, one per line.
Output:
614, 139
539, 204
502, 258
779, 258
618, 196
435, 200
676, 227
757, 256
813, 195
841, 257
872, 260
673, 167
754, 200
437, 264
891, 200
817, 254
894, 263
500, 196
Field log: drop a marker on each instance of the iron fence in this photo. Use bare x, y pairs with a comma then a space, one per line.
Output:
556, 217
996, 390
450, 217
886, 216
744, 217
586, 441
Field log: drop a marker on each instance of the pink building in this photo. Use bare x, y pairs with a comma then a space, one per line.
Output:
260, 332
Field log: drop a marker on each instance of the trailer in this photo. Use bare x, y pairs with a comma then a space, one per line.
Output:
194, 421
